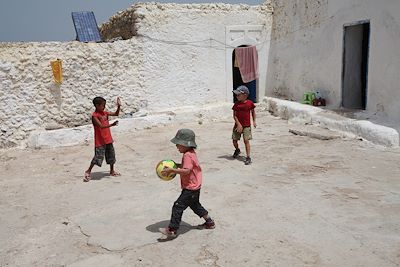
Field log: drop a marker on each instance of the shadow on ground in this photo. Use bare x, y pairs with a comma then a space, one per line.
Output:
229, 157
99, 175
183, 228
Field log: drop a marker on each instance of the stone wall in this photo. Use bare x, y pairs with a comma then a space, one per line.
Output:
177, 59
120, 26
31, 100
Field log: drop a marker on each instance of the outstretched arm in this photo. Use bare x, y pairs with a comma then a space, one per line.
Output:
96, 122
116, 113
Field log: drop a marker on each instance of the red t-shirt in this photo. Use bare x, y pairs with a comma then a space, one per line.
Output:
102, 136
193, 180
242, 111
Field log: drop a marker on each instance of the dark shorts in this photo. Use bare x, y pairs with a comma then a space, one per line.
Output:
101, 151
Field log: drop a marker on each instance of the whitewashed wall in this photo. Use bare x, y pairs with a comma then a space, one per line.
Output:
30, 100
307, 46
185, 59
155, 73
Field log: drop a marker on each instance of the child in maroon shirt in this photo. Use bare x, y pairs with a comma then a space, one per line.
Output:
241, 114
103, 141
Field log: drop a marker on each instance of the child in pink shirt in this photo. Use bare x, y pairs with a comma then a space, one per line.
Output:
191, 179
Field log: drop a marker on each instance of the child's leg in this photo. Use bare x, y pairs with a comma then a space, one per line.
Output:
89, 170
201, 211
246, 139
113, 172
87, 173
110, 159
235, 144
235, 138
179, 206
197, 207
247, 145
97, 160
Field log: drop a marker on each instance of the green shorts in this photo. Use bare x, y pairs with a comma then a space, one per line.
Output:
246, 134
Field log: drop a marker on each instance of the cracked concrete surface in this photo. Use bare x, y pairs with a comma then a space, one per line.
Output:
303, 202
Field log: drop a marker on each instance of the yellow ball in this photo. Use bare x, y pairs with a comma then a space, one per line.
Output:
160, 167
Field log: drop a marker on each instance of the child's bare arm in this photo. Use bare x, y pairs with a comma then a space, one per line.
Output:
239, 127
253, 114
116, 113
96, 122
180, 171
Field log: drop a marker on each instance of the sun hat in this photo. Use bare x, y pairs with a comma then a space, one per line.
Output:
185, 137
241, 90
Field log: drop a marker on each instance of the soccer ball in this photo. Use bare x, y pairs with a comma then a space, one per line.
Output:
160, 167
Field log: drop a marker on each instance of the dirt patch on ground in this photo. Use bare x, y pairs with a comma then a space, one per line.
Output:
303, 202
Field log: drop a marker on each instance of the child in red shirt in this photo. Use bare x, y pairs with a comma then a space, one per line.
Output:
191, 179
103, 141
241, 114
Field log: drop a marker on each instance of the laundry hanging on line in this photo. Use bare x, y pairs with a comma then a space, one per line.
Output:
246, 58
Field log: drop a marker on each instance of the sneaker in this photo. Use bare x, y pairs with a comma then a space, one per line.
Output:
247, 161
167, 232
236, 153
206, 225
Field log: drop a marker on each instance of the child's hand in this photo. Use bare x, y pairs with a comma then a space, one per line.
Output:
255, 124
239, 128
118, 102
115, 123
167, 171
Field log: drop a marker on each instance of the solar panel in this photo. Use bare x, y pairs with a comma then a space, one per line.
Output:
86, 26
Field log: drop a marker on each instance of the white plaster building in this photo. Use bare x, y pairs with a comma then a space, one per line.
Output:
348, 49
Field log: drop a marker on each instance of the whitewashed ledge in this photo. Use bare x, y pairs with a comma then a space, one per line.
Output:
141, 120
300, 113
288, 110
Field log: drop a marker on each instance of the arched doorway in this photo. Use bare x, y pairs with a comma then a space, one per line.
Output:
246, 35
237, 81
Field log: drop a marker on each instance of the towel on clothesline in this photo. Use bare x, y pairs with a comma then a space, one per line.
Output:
247, 59
236, 64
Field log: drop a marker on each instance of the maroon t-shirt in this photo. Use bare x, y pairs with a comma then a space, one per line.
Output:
102, 136
242, 111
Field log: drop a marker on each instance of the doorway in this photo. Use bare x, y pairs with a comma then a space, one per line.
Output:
355, 65
237, 81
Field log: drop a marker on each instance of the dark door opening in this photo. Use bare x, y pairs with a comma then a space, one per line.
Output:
237, 81
355, 65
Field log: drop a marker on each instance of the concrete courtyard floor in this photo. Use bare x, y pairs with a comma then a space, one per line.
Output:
303, 202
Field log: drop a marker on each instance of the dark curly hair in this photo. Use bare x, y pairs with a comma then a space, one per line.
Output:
98, 100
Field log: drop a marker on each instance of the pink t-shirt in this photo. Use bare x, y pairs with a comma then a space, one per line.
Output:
193, 180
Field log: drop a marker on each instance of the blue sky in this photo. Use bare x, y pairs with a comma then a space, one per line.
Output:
50, 20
